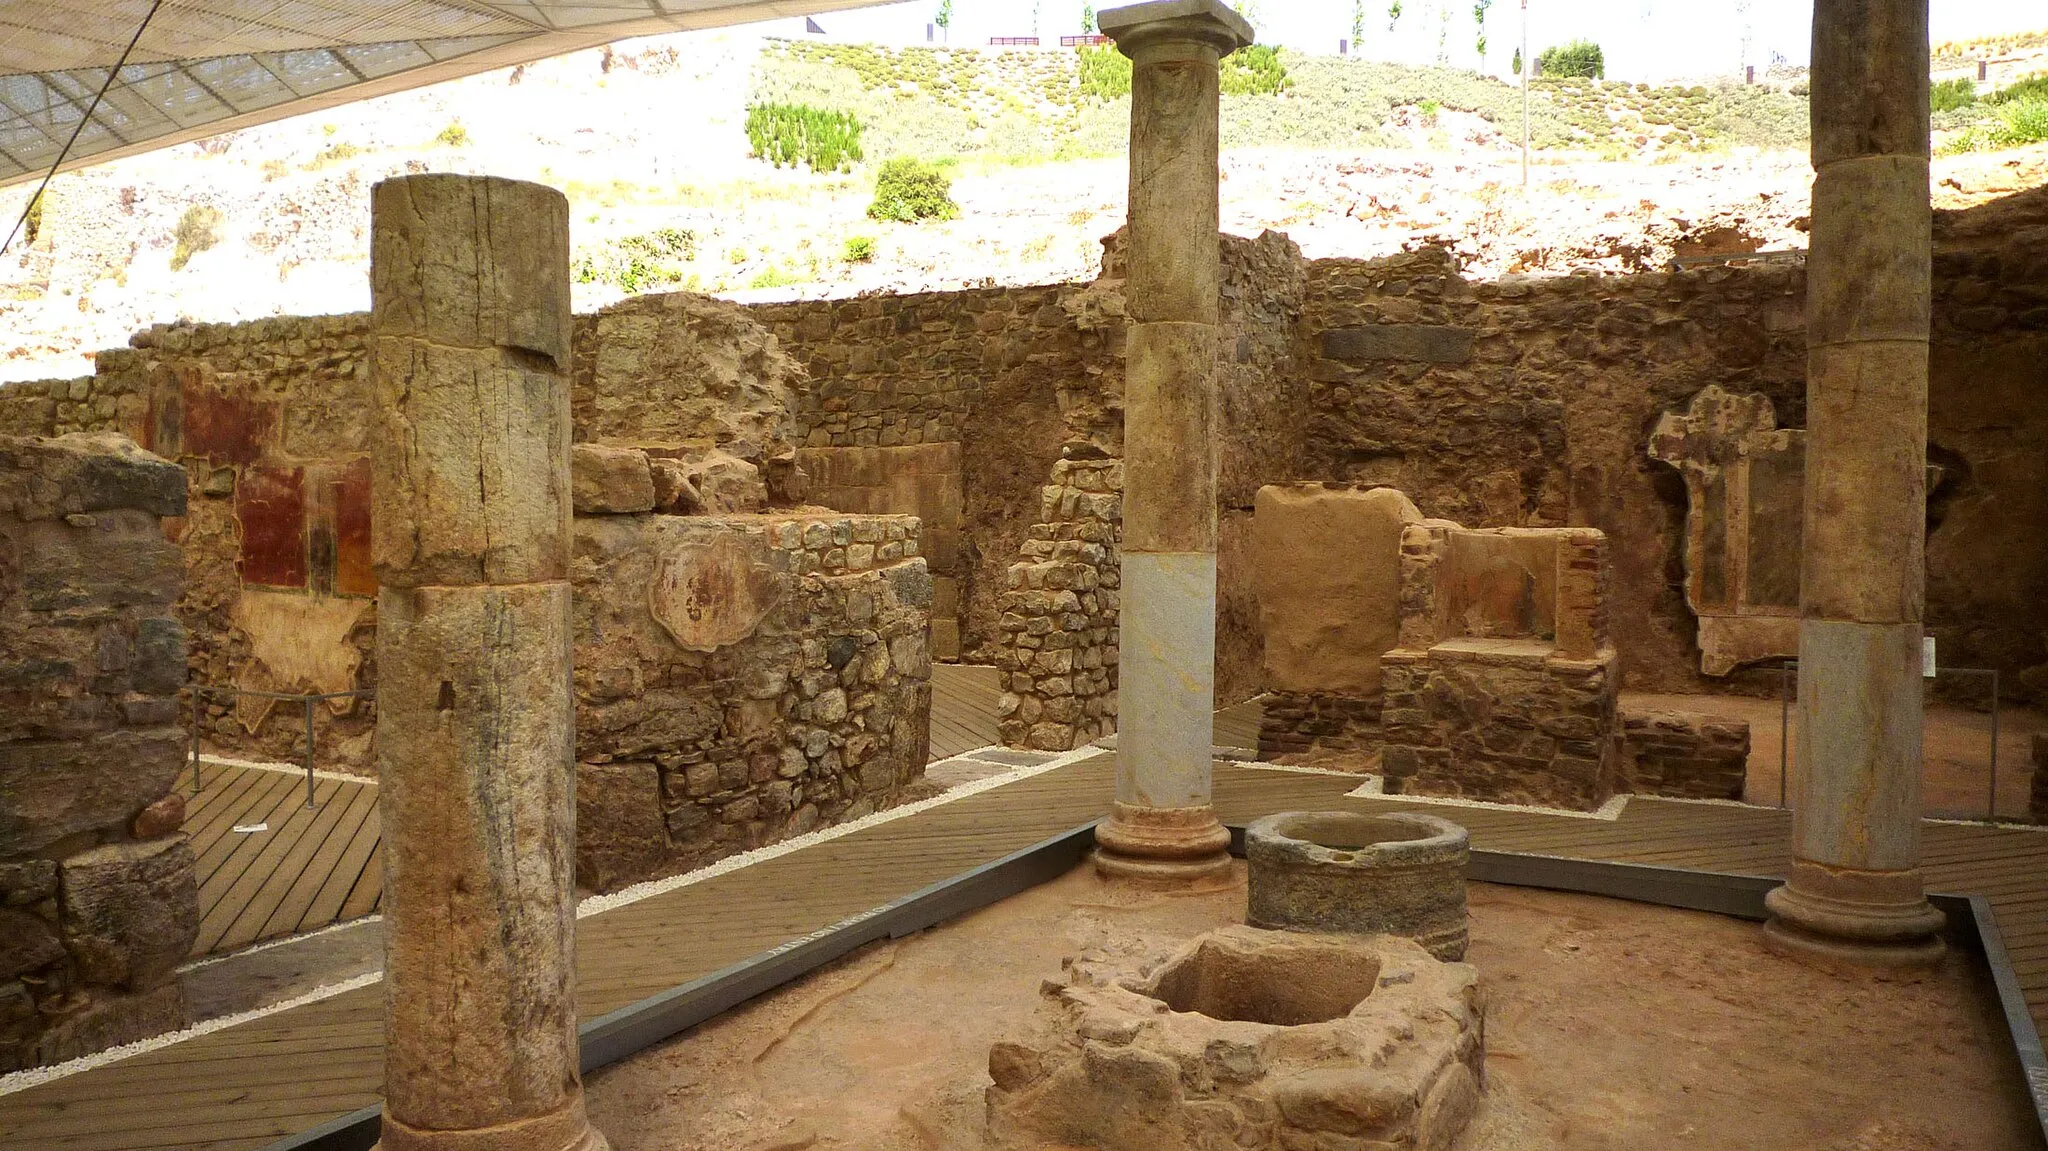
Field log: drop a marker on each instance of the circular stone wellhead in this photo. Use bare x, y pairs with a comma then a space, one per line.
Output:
1340, 871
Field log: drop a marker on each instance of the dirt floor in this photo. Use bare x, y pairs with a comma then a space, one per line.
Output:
1957, 779
1610, 1025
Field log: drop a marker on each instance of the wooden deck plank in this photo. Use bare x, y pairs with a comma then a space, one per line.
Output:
368, 892
239, 877
235, 795
348, 871
282, 871
290, 915
271, 794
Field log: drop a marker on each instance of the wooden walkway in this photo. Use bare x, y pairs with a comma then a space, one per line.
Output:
963, 708
312, 868
246, 1085
306, 869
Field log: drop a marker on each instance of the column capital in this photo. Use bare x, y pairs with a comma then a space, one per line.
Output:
1211, 22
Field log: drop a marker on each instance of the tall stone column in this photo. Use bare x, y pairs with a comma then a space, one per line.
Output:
475, 720
1162, 827
1854, 891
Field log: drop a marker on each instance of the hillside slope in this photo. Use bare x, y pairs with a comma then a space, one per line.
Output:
648, 142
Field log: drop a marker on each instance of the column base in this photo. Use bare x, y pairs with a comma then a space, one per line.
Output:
568, 1129
1858, 918
1165, 847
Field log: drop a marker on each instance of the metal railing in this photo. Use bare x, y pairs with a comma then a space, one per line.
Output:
1787, 677
200, 694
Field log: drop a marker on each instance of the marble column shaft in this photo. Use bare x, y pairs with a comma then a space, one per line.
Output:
1854, 887
1162, 825
475, 722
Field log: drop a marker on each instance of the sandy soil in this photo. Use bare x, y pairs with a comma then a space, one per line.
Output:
1956, 783
1611, 1025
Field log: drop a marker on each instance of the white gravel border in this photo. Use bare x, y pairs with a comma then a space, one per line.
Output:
298, 769
36, 1076
1607, 812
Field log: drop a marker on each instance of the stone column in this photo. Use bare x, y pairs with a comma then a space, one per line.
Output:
475, 721
1162, 827
1854, 890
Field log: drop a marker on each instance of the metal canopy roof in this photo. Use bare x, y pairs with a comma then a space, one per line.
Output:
203, 67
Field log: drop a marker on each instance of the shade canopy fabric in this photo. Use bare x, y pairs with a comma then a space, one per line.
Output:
202, 67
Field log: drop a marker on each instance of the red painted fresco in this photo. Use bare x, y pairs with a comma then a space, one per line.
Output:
189, 416
270, 504
352, 573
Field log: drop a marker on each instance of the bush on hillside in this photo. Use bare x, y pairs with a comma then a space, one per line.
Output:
453, 136
2024, 91
32, 219
1105, 72
198, 230
2010, 125
908, 190
1949, 95
792, 134
1255, 71
859, 250
636, 263
1580, 58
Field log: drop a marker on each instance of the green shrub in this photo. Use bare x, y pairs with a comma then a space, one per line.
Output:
1255, 70
197, 231
636, 263
789, 134
859, 249
1105, 73
334, 153
453, 136
33, 220
2010, 125
772, 278
1580, 58
1949, 95
908, 190
2032, 88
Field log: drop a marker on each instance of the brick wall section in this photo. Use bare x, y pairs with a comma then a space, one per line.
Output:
1059, 613
1686, 755
1312, 725
924, 480
1482, 699
816, 710
98, 903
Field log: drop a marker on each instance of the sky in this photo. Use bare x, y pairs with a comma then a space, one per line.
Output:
1642, 39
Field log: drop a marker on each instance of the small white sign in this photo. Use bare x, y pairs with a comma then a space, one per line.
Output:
1927, 657
250, 828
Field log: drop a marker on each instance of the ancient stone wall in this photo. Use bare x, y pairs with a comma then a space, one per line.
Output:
924, 480
98, 904
1059, 651
895, 381
740, 680
1530, 402
1685, 754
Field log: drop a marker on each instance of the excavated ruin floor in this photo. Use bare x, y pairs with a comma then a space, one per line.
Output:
1611, 1025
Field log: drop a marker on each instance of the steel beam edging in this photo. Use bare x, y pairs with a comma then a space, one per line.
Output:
637, 1026
2019, 1022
